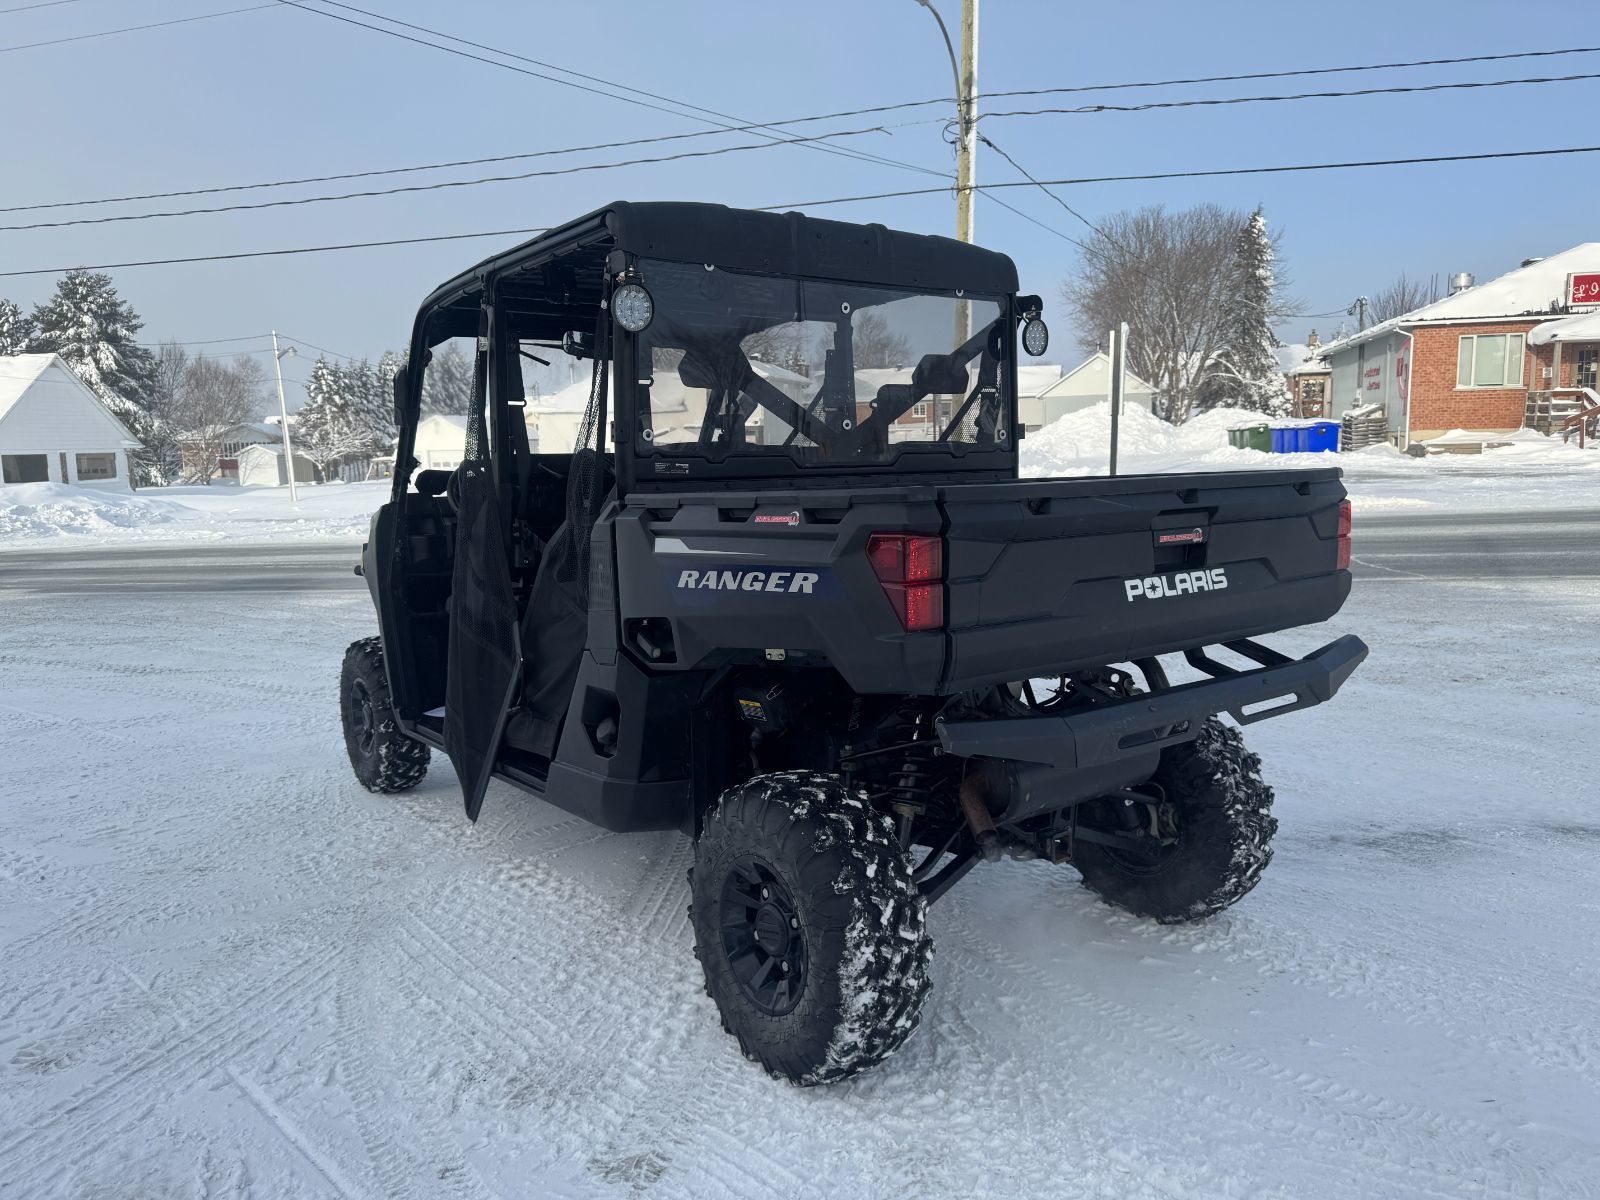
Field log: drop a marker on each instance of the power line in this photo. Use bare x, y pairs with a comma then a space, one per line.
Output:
1278, 170
84, 37
1307, 71
643, 103
452, 237
1215, 102
464, 162
433, 187
199, 258
42, 4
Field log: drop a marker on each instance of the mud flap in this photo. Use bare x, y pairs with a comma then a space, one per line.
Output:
485, 649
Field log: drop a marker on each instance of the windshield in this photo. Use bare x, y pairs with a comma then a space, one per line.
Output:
823, 372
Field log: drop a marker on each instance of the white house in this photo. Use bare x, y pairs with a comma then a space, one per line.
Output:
262, 465
54, 429
440, 443
1087, 384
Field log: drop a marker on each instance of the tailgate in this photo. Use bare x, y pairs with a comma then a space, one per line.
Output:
1051, 575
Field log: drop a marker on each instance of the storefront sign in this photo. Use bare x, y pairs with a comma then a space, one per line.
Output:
1583, 288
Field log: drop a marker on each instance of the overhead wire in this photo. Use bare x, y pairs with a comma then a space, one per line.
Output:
440, 185
1222, 101
84, 37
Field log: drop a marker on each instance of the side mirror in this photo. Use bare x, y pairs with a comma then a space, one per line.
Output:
402, 392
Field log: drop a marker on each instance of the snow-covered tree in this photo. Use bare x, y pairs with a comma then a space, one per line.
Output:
324, 429
1245, 372
372, 404
447, 382
16, 329
94, 332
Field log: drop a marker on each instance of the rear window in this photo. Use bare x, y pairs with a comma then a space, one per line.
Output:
816, 371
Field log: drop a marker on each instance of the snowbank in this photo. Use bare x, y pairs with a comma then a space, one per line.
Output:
43, 510
45, 514
1529, 471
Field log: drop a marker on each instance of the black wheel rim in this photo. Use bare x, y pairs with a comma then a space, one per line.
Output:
363, 725
761, 936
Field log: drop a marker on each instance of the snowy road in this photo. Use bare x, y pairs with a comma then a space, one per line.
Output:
225, 970
1464, 546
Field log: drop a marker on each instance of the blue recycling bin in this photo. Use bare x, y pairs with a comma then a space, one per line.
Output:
1302, 439
1282, 439
1323, 437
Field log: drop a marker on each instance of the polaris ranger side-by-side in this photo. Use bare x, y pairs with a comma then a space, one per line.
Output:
788, 594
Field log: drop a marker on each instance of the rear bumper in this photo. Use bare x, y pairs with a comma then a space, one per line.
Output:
1131, 729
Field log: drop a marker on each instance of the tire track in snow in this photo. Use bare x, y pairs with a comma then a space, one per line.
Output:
81, 1126
1355, 1116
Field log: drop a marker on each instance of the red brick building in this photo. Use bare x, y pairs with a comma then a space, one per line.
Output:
1473, 360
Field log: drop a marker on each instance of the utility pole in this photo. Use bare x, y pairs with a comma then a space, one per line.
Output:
965, 74
283, 415
1358, 309
1119, 376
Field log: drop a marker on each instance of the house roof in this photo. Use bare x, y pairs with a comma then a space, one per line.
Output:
23, 373
1534, 290
1099, 360
1301, 359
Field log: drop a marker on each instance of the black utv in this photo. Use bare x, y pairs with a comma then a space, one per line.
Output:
775, 582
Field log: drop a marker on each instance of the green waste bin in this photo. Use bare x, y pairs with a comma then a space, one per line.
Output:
1257, 437
1236, 439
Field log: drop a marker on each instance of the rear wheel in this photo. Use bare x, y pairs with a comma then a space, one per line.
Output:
1210, 793
384, 758
809, 927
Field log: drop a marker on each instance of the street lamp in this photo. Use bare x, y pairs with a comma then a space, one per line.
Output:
965, 74
283, 414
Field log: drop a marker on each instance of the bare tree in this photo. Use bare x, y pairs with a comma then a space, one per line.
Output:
212, 398
1399, 298
164, 442
1172, 277
876, 344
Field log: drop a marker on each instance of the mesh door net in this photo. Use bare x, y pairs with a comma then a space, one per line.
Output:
485, 654
555, 627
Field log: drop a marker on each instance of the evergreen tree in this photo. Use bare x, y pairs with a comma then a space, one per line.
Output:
372, 405
447, 382
93, 330
1245, 373
16, 329
327, 427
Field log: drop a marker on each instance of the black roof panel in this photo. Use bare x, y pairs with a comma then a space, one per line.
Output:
788, 243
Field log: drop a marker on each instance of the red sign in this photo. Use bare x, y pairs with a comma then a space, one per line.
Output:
1583, 288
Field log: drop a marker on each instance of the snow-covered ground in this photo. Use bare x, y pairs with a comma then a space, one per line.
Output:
34, 515
229, 971
1534, 472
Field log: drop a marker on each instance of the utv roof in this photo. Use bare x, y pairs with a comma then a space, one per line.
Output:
744, 240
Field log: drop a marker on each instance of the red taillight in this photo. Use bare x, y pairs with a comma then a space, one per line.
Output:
909, 567
1343, 539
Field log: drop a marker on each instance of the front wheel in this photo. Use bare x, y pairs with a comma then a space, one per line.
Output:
809, 926
383, 758
1220, 812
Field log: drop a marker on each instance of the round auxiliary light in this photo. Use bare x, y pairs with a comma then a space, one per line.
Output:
633, 306
1035, 336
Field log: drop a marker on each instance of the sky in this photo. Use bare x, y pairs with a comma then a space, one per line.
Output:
281, 93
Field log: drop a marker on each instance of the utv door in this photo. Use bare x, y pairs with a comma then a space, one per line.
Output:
485, 655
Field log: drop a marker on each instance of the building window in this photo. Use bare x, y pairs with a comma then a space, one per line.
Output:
919, 410
25, 468
97, 466
1586, 368
1489, 360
